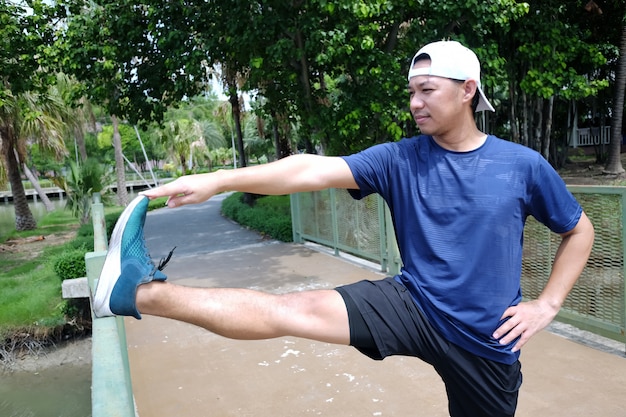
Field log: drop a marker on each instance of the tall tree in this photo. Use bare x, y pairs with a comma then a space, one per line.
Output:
25, 110
127, 55
549, 61
614, 161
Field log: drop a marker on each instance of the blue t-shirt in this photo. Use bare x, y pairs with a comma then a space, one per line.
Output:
459, 220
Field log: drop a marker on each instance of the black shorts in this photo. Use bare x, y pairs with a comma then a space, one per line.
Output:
385, 321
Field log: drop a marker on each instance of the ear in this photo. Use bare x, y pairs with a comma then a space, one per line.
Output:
470, 86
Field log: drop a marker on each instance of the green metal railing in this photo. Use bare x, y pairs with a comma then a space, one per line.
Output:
111, 388
332, 218
596, 303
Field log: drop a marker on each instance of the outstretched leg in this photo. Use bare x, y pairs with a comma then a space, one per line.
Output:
130, 282
247, 314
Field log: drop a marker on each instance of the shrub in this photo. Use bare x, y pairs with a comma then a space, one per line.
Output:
110, 219
85, 230
70, 264
271, 215
82, 242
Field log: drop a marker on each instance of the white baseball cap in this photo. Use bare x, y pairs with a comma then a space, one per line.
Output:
450, 59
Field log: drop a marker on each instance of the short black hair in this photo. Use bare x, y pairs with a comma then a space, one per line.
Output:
476, 97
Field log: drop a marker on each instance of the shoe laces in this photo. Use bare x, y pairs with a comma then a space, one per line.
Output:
163, 261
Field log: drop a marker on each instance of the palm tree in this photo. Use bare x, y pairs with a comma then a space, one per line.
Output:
84, 179
81, 117
255, 145
191, 130
75, 120
23, 118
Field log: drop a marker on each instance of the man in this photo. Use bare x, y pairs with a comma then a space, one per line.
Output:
459, 199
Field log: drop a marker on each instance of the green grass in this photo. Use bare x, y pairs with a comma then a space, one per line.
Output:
57, 221
30, 290
33, 298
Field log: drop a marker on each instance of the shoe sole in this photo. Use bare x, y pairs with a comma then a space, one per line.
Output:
112, 268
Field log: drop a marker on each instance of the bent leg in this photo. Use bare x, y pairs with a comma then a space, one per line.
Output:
247, 314
478, 387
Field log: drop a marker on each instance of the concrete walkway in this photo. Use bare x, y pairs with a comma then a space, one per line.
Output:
180, 370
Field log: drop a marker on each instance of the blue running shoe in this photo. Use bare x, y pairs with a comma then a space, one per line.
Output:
127, 264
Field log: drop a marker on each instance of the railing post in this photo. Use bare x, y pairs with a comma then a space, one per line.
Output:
296, 223
95, 260
333, 217
99, 225
393, 253
111, 388
382, 233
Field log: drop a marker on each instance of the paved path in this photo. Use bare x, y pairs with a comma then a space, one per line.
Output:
180, 370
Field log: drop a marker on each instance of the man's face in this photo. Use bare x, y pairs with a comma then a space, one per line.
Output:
436, 103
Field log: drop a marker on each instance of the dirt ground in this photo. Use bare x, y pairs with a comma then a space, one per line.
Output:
71, 352
31, 247
585, 171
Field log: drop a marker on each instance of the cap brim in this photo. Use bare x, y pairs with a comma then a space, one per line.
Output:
483, 103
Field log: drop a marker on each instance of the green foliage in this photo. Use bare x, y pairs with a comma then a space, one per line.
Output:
130, 56
25, 35
71, 264
568, 52
127, 134
330, 73
110, 220
82, 181
42, 161
270, 215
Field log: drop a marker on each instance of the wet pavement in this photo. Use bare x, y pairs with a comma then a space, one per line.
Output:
181, 370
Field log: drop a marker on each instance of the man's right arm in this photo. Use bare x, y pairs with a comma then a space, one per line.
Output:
302, 172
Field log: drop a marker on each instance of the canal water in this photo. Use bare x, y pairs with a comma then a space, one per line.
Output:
7, 214
63, 391
60, 391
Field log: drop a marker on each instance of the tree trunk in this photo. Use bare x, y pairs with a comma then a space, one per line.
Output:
305, 81
545, 151
281, 141
614, 161
42, 195
275, 135
538, 123
525, 134
24, 219
515, 136
122, 195
80, 143
236, 112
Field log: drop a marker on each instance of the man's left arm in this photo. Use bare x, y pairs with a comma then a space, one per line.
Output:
527, 318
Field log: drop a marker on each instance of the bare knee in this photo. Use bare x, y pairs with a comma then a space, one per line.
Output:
319, 315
